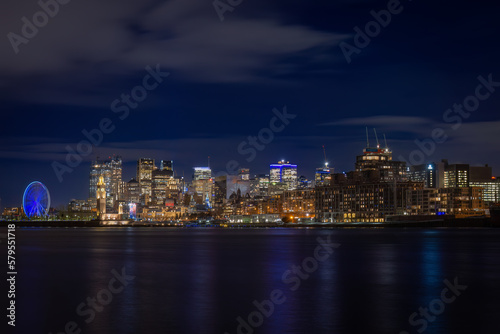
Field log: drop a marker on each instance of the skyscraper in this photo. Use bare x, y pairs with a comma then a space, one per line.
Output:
111, 171
323, 176
284, 172
168, 166
160, 186
203, 184
202, 173
145, 168
426, 173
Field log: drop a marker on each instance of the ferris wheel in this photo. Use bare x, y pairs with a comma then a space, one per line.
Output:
36, 200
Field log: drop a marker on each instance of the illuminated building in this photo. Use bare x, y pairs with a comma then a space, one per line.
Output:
145, 168
111, 171
259, 185
323, 176
491, 190
453, 176
175, 187
203, 184
202, 173
244, 174
304, 183
426, 173
298, 203
133, 191
380, 160
482, 177
365, 201
160, 186
101, 197
284, 172
168, 166
462, 201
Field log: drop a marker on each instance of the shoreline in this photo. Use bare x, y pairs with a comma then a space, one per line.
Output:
482, 222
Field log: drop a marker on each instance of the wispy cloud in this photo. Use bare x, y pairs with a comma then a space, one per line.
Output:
89, 43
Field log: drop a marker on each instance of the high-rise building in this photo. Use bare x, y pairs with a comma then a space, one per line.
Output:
483, 177
111, 171
203, 184
284, 172
145, 168
244, 174
160, 186
426, 173
259, 185
323, 176
202, 173
133, 192
456, 176
167, 165
380, 160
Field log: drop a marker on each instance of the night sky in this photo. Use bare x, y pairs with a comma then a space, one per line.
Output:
226, 77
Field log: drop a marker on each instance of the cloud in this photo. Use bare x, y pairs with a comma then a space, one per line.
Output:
381, 120
91, 43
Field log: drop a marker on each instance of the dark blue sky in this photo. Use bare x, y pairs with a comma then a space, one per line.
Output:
226, 78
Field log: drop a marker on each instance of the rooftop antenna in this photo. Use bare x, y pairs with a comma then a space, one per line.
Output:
324, 153
208, 161
367, 140
376, 137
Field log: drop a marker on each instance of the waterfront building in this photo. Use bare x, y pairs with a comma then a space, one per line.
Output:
101, 197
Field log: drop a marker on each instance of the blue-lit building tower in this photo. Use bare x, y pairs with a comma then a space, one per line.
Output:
284, 172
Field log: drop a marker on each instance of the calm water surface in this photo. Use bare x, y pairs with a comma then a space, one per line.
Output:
201, 280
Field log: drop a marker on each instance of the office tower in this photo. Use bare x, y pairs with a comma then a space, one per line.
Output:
202, 173
145, 168
111, 171
203, 184
176, 187
133, 191
284, 172
244, 174
220, 190
168, 166
323, 176
160, 186
259, 185
482, 177
452, 176
426, 173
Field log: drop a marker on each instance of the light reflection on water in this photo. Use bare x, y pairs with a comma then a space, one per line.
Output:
201, 280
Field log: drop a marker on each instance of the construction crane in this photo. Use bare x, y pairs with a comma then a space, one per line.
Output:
376, 137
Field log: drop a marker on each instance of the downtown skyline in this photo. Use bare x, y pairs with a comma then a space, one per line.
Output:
225, 82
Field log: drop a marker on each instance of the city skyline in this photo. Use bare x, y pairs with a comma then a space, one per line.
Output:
202, 172
65, 81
